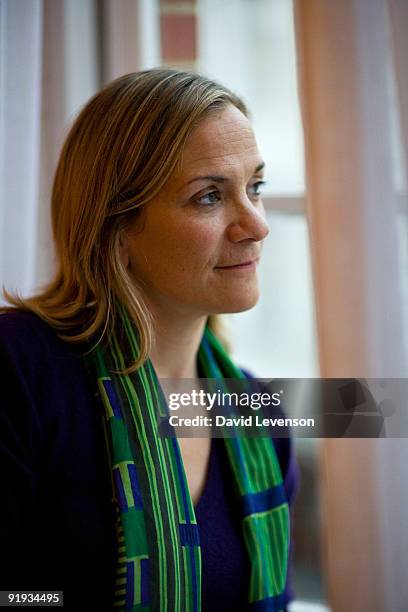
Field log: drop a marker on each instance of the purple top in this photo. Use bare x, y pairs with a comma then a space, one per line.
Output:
225, 562
56, 515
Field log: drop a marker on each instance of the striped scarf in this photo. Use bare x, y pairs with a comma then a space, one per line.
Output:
159, 557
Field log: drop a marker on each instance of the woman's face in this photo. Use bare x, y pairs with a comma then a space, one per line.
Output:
196, 248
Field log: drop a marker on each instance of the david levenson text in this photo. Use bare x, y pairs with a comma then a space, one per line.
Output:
249, 421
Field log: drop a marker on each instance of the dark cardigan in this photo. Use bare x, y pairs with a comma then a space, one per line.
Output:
56, 512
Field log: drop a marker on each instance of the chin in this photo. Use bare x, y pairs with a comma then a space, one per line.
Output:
241, 303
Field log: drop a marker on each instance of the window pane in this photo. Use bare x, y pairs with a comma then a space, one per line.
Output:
249, 46
277, 338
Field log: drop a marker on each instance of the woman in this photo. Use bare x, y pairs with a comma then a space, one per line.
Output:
158, 225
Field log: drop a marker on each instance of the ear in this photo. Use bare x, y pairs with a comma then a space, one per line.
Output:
124, 249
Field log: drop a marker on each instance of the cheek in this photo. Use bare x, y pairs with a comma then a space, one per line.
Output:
177, 250
191, 246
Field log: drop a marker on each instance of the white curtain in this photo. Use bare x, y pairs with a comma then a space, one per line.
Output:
352, 58
54, 54
21, 26
49, 66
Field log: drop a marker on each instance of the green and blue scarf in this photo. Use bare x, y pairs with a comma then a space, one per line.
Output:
159, 557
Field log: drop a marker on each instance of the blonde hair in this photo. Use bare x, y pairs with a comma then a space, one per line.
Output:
118, 155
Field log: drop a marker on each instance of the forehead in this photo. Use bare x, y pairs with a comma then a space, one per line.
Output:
223, 138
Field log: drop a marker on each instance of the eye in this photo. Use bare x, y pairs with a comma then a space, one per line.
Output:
209, 199
255, 190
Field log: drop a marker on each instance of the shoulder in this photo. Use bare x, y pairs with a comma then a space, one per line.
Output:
47, 398
33, 349
24, 333
39, 371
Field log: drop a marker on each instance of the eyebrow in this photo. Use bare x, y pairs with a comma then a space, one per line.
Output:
220, 179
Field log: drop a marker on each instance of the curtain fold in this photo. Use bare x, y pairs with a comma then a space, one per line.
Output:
21, 26
347, 70
55, 54
398, 10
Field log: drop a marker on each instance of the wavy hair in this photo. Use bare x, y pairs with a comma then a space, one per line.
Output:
120, 151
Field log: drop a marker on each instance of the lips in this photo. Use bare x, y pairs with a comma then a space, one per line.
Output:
241, 264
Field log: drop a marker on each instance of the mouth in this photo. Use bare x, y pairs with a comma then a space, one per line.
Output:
250, 264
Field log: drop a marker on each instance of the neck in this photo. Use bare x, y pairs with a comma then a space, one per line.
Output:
177, 340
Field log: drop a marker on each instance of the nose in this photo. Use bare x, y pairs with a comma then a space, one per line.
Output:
249, 222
